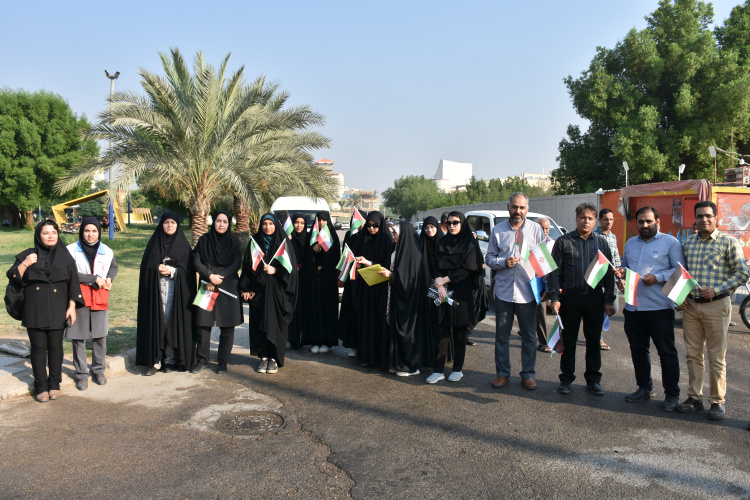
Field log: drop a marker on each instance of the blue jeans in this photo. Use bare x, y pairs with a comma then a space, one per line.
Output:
504, 314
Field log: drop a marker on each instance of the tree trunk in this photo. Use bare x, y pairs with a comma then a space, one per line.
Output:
199, 210
30, 218
241, 213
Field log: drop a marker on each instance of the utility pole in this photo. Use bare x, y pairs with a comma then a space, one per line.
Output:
112, 79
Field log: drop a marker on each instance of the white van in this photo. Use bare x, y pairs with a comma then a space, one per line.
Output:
293, 204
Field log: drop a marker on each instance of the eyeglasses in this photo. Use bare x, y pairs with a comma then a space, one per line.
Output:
372, 226
453, 223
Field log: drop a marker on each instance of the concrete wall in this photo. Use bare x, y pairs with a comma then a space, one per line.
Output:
561, 208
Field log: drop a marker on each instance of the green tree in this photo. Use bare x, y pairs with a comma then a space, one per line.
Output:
40, 139
411, 193
660, 98
205, 134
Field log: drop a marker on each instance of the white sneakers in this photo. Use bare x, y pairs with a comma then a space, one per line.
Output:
315, 349
455, 376
353, 352
323, 349
407, 374
435, 378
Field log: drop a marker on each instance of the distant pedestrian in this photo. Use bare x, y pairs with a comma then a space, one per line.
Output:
654, 256
166, 289
52, 293
716, 262
606, 219
429, 238
217, 258
514, 297
541, 313
300, 240
573, 253
97, 268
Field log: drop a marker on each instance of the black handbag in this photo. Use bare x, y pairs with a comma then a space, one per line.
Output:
14, 300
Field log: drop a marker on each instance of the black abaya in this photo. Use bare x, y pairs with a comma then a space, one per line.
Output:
347, 322
301, 244
153, 331
323, 299
272, 306
428, 244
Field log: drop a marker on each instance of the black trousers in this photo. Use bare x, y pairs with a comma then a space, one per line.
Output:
458, 340
642, 327
46, 350
203, 344
574, 308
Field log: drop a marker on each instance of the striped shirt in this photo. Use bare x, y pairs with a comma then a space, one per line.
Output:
715, 262
612, 242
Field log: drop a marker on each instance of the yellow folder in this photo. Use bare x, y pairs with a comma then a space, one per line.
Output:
370, 274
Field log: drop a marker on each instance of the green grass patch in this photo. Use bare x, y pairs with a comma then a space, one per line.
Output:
128, 248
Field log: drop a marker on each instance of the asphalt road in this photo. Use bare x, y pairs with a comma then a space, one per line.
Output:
360, 432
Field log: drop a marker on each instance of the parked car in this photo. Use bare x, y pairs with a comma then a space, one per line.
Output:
418, 226
482, 222
293, 204
345, 225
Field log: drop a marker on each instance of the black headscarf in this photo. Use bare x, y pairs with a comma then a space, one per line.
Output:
218, 249
325, 214
268, 243
51, 261
429, 244
458, 251
161, 245
376, 248
90, 250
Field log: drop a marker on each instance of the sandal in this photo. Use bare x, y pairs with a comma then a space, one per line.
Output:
603, 346
543, 348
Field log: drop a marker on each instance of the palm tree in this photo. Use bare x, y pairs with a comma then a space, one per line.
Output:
204, 135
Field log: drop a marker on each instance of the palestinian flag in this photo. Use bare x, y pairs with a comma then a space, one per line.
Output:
283, 257
679, 285
347, 264
554, 340
541, 260
345, 253
597, 269
357, 222
631, 287
523, 249
314, 233
288, 226
324, 238
205, 299
256, 254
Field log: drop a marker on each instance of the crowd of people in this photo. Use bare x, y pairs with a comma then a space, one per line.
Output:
419, 315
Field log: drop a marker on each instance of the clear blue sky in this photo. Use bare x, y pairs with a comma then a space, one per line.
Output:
401, 84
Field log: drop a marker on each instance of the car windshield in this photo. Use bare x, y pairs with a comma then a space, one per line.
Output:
554, 232
309, 215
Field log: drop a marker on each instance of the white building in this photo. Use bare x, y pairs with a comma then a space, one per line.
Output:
452, 175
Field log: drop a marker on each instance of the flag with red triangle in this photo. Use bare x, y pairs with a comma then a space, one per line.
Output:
282, 255
357, 222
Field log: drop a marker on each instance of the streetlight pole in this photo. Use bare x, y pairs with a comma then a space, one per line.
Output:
712, 152
625, 166
112, 79
680, 170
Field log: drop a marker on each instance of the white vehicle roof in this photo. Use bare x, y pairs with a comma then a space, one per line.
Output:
299, 203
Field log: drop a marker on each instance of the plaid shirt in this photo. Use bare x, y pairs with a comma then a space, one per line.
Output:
715, 262
612, 242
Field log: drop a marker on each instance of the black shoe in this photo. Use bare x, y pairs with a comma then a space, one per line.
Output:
263, 366
273, 367
564, 388
640, 395
595, 388
170, 368
99, 378
470, 342
151, 371
82, 384
690, 405
716, 412
200, 365
222, 368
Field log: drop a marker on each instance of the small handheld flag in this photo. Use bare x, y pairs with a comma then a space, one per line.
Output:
324, 238
282, 255
288, 226
256, 254
597, 269
554, 339
357, 222
523, 249
314, 233
541, 260
631, 287
205, 299
679, 285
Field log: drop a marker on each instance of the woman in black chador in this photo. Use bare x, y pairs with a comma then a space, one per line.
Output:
456, 264
347, 323
52, 293
429, 238
301, 244
323, 304
373, 246
166, 289
271, 290
407, 307
217, 258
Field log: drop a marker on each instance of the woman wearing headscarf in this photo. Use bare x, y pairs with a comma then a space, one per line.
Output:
52, 292
217, 258
271, 290
347, 323
456, 266
301, 245
323, 303
429, 238
166, 288
481, 302
97, 268
373, 246
406, 304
